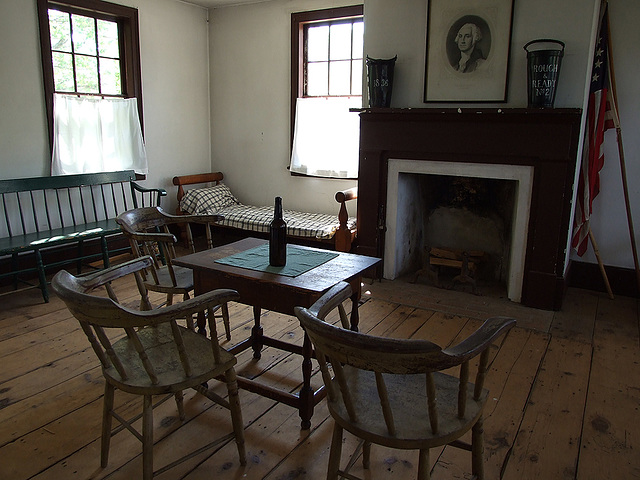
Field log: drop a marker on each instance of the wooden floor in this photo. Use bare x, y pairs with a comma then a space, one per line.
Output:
564, 394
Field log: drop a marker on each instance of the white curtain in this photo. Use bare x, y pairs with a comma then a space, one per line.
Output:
326, 137
93, 134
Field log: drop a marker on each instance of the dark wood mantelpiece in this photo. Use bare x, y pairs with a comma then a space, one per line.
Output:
546, 139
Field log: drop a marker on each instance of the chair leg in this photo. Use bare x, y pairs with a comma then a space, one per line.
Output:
366, 455
190, 324
180, 404
236, 413
335, 453
225, 320
107, 407
105, 252
424, 470
188, 318
477, 449
147, 438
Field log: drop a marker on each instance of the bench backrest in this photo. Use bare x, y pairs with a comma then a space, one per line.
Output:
44, 203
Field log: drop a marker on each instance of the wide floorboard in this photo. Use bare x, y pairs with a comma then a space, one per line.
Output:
564, 394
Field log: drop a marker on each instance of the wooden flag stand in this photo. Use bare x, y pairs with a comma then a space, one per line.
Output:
600, 264
623, 169
623, 172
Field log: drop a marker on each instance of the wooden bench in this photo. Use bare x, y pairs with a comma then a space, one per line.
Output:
341, 240
40, 213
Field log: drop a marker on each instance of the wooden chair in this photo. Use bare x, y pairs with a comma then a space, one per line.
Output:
154, 356
149, 234
392, 392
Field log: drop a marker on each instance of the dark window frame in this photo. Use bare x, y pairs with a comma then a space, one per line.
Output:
298, 22
127, 20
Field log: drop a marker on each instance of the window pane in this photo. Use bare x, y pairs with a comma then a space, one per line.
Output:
60, 28
84, 35
87, 74
340, 41
358, 40
356, 79
318, 43
108, 39
63, 72
110, 76
340, 78
317, 75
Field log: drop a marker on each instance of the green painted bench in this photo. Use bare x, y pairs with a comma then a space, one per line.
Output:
40, 213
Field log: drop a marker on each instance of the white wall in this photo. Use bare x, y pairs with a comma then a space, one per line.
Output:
250, 82
24, 144
175, 84
175, 78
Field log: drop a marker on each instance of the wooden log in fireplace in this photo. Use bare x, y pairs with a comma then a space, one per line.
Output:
546, 139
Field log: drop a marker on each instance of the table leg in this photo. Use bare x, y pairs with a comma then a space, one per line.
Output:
256, 334
355, 317
202, 323
306, 393
197, 290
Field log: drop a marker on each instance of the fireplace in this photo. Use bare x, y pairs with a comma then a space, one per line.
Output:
535, 148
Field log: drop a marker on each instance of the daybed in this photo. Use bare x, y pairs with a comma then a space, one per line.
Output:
214, 197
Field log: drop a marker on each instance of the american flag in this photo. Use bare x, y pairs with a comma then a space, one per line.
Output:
601, 116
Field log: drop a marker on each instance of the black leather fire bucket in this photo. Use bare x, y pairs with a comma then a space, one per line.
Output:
542, 72
380, 81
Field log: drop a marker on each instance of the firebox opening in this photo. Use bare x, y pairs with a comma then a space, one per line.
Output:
461, 214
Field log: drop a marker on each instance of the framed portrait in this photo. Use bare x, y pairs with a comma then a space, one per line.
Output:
467, 55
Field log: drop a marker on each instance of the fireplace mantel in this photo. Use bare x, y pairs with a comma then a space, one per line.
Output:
546, 139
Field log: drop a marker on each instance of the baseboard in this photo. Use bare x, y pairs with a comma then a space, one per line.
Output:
623, 281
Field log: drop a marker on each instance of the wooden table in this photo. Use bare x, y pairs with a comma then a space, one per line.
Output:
281, 294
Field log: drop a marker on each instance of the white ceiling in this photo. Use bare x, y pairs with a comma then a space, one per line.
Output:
221, 3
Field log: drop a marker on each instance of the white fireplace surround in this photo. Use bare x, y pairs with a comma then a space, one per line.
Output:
395, 247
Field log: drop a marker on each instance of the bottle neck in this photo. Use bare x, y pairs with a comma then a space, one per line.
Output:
277, 212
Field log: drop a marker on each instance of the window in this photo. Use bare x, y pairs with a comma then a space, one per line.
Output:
333, 64
91, 62
326, 81
92, 83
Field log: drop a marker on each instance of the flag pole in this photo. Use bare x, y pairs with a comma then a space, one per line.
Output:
623, 168
600, 264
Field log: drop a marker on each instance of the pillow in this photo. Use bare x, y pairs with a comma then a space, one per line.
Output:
207, 200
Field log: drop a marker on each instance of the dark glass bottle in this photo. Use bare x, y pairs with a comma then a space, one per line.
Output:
278, 237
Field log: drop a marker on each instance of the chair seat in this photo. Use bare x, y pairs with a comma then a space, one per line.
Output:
407, 397
161, 350
184, 280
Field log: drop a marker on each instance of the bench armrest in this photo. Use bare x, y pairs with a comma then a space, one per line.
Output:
343, 236
346, 195
154, 194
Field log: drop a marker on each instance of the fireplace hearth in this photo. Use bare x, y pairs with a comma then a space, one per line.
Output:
536, 148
